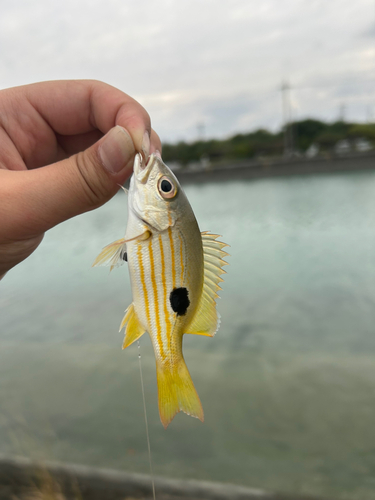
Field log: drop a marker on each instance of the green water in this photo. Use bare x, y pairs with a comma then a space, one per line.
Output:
287, 384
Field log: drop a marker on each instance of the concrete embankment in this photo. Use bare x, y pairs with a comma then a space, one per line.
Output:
249, 169
23, 479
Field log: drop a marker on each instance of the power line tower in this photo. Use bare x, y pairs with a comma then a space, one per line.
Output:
201, 131
287, 118
342, 112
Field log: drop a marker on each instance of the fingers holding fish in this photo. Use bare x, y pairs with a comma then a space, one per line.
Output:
156, 147
51, 111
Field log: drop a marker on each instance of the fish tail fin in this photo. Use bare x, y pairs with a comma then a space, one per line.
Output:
176, 392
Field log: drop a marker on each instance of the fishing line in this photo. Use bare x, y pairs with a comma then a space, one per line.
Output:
146, 421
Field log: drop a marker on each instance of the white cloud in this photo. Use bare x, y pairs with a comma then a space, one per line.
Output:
216, 61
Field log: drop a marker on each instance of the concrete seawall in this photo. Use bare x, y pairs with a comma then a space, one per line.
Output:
23, 479
249, 169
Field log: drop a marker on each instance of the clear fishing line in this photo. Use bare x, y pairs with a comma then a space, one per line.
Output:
146, 421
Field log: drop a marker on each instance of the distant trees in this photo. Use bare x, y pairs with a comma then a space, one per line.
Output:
262, 142
363, 130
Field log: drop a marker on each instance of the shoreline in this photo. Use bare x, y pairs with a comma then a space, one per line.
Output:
21, 476
250, 169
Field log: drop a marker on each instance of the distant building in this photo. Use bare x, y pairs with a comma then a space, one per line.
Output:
362, 145
312, 150
342, 147
205, 161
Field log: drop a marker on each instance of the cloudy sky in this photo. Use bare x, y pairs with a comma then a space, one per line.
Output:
219, 63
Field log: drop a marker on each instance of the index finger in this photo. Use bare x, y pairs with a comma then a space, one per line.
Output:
73, 107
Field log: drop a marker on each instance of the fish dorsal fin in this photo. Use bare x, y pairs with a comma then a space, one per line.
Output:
134, 330
206, 320
114, 254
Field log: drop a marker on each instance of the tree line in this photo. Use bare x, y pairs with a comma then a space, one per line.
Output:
262, 142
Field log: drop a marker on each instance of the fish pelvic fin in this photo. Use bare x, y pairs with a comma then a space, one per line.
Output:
206, 320
176, 392
134, 330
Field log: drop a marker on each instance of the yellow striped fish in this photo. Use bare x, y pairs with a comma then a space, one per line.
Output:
175, 273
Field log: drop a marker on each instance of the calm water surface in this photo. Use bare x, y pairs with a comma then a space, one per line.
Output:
287, 384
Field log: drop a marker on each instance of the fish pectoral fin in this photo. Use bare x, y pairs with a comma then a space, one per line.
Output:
134, 330
114, 254
176, 392
206, 320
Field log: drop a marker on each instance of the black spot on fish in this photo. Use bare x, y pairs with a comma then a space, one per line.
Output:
125, 256
179, 299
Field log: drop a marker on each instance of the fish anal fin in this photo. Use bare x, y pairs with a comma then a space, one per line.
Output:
134, 330
206, 320
176, 392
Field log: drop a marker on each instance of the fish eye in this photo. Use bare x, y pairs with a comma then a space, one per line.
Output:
166, 188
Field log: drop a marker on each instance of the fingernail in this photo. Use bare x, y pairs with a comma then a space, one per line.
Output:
157, 153
116, 150
146, 145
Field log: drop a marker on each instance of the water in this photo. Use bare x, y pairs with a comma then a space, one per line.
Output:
287, 384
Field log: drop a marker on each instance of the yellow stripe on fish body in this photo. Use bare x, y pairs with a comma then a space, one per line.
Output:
164, 265
175, 273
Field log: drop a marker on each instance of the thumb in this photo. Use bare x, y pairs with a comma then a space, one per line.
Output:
36, 200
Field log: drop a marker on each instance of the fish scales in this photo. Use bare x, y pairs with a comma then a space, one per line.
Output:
167, 255
174, 273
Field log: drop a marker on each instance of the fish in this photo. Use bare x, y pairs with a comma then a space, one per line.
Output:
175, 273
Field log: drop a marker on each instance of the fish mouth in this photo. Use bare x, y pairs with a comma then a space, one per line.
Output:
142, 168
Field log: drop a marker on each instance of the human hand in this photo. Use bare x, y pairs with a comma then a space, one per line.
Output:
59, 126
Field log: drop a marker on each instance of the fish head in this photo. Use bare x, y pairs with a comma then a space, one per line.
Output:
155, 195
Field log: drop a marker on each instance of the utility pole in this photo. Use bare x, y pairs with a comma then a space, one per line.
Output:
287, 118
369, 113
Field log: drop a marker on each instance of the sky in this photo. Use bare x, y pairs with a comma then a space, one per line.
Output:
202, 68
